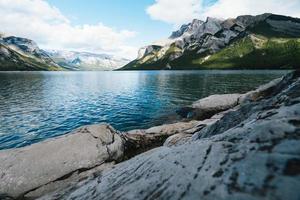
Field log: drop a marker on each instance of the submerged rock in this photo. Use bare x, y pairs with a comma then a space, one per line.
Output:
255, 156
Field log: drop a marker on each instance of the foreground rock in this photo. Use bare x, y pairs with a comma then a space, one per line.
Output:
27, 169
44, 167
250, 153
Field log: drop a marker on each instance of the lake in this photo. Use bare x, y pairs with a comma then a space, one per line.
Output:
38, 105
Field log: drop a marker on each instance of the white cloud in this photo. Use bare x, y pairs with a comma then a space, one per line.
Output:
177, 12
37, 20
234, 8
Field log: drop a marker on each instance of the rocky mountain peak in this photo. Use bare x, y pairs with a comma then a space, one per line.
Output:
180, 32
24, 44
76, 61
28, 48
187, 28
24, 54
196, 23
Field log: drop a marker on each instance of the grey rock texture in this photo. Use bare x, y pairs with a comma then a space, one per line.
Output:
177, 139
250, 153
207, 107
26, 169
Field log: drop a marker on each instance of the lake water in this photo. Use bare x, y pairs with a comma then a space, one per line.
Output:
39, 105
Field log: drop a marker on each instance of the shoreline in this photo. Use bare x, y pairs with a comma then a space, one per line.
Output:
57, 164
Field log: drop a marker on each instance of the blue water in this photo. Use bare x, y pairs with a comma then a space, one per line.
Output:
39, 105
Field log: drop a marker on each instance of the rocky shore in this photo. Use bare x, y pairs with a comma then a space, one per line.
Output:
233, 146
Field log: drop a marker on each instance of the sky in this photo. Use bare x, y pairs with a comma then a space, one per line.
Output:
119, 27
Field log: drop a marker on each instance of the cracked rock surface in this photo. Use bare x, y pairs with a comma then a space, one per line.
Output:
252, 152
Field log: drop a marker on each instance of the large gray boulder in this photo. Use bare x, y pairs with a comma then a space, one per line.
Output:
26, 169
254, 157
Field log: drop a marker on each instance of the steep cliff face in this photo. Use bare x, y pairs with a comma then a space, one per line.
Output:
193, 45
23, 54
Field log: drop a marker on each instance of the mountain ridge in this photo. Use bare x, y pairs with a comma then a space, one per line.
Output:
195, 44
22, 54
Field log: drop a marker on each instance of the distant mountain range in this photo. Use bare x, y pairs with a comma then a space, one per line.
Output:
246, 42
266, 41
73, 60
21, 54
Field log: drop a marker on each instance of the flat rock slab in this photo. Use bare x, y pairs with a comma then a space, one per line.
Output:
207, 107
26, 169
219, 101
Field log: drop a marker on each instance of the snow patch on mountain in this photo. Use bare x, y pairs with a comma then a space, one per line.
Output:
86, 61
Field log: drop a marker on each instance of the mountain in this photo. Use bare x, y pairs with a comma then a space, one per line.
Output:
22, 54
85, 61
246, 42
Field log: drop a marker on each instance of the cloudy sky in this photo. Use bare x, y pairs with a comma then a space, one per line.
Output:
119, 27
